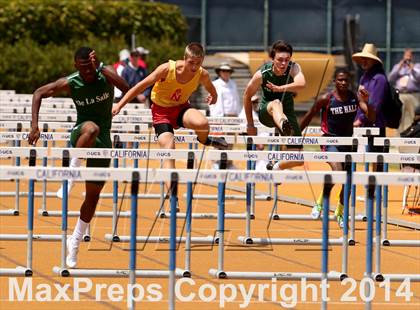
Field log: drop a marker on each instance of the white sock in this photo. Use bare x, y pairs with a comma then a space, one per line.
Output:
75, 162
79, 230
276, 166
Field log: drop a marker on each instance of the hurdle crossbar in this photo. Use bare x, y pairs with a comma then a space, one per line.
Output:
181, 154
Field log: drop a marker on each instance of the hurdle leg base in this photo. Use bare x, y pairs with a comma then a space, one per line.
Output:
343, 276
268, 198
364, 218
163, 215
252, 216
116, 238
352, 242
44, 213
186, 274
86, 238
386, 242
276, 217
379, 277
248, 240
63, 272
219, 274
15, 212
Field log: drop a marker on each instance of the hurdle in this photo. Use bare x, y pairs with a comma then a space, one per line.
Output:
337, 157
373, 180
188, 215
410, 158
336, 177
123, 138
144, 138
25, 100
292, 177
18, 152
71, 111
354, 141
212, 155
69, 125
14, 211
96, 174
20, 270
117, 174
299, 156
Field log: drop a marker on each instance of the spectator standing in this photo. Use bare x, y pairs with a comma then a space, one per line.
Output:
124, 57
228, 103
134, 74
375, 83
142, 58
405, 76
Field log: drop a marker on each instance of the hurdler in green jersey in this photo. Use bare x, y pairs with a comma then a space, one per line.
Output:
286, 98
92, 90
278, 80
93, 103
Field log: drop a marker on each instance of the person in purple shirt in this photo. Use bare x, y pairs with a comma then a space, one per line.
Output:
405, 76
375, 83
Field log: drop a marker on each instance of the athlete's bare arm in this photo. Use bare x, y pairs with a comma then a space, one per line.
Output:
316, 107
110, 74
61, 86
114, 79
159, 73
369, 111
208, 85
251, 90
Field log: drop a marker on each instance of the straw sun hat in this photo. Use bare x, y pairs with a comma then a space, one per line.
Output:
224, 66
369, 51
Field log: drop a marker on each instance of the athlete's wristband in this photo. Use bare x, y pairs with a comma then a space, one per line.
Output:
100, 67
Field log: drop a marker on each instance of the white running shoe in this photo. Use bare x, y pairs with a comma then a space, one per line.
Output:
316, 211
261, 165
274, 166
60, 191
72, 250
215, 166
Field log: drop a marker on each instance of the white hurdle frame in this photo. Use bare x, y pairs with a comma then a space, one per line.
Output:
410, 158
292, 177
362, 178
374, 181
18, 152
122, 174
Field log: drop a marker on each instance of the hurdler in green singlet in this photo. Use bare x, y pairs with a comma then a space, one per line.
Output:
93, 103
286, 98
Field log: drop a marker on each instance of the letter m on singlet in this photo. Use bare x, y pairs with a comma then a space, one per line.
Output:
176, 95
